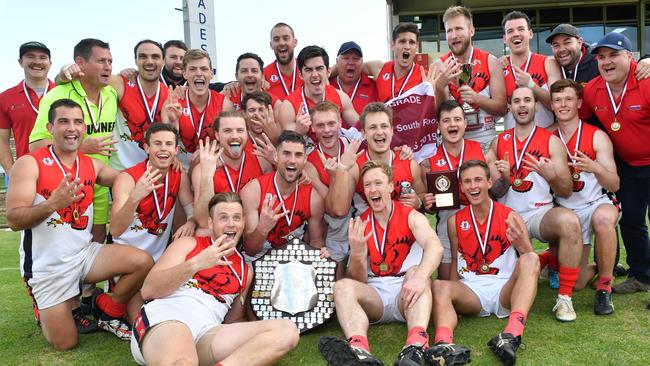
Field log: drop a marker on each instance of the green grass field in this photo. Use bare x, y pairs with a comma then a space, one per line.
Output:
620, 339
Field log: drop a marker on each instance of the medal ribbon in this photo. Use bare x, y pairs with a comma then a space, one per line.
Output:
240, 279
575, 70
189, 105
151, 113
281, 199
482, 241
293, 81
615, 107
354, 91
520, 157
99, 112
530, 56
566, 146
304, 100
76, 175
29, 100
381, 246
155, 197
241, 170
392, 82
460, 162
339, 152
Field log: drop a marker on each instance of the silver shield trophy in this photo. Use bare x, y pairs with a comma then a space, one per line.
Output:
294, 283
465, 78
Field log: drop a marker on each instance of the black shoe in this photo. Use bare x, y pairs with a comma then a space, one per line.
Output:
504, 346
84, 325
410, 356
338, 352
603, 304
88, 306
619, 270
447, 354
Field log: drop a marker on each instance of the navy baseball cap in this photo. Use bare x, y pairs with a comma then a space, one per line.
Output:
615, 41
33, 45
348, 46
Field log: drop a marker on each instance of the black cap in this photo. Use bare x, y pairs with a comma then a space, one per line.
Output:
567, 29
33, 46
348, 46
615, 41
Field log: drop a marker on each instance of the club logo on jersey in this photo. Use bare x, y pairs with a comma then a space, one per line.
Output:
464, 225
506, 136
131, 84
386, 76
47, 161
186, 111
506, 72
441, 162
274, 78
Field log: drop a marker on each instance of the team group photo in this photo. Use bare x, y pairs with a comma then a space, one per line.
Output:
484, 202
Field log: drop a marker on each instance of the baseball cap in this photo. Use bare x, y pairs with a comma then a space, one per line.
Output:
567, 29
33, 45
347, 46
615, 41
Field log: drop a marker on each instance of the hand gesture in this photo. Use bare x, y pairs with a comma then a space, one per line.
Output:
264, 149
503, 167
449, 70
350, 155
70, 72
405, 152
98, 145
66, 193
214, 255
129, 74
146, 184
430, 75
358, 240
522, 78
172, 109
269, 216
411, 291
231, 89
544, 166
187, 229
584, 163
209, 154
303, 120
329, 164
516, 231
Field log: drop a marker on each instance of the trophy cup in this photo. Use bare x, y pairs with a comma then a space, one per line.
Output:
465, 78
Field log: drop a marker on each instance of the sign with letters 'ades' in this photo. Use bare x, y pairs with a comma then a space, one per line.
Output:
198, 18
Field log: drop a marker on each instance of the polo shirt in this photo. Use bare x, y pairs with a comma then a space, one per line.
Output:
365, 93
630, 141
17, 114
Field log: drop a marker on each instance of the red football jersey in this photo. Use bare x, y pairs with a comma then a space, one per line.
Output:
439, 163
227, 179
388, 87
282, 85
194, 125
138, 116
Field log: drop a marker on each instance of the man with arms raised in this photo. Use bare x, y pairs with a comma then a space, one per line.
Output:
282, 74
593, 172
389, 275
495, 271
622, 104
197, 285
145, 196
358, 86
377, 129
99, 100
227, 168
451, 154
50, 198
313, 64
486, 93
538, 164
277, 205
19, 104
525, 68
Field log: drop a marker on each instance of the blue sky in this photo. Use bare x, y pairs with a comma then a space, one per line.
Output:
242, 26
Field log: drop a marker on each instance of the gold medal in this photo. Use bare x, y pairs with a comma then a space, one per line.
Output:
75, 214
485, 268
517, 182
615, 126
383, 267
575, 176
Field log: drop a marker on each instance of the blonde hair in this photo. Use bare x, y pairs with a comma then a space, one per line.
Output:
195, 54
455, 11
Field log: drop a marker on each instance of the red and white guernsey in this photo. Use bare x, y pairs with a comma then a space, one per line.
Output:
137, 112
388, 248
483, 248
528, 190
484, 130
443, 161
389, 87
236, 100
64, 234
280, 84
535, 67
299, 97
586, 188
227, 179
195, 125
298, 206
152, 221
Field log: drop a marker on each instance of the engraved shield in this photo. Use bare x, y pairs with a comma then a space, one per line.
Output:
294, 289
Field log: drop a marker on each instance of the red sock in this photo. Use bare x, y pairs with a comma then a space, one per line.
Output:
516, 323
553, 263
568, 278
418, 336
544, 258
110, 307
444, 335
359, 341
604, 283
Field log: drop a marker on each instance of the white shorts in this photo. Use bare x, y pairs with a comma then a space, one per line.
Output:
388, 288
488, 291
534, 220
443, 234
338, 249
57, 287
192, 313
585, 214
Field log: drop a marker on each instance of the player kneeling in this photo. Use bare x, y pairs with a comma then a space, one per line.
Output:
389, 275
490, 278
197, 284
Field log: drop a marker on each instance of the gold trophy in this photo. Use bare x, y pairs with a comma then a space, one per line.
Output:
465, 78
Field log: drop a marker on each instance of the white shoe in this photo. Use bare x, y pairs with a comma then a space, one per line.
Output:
564, 309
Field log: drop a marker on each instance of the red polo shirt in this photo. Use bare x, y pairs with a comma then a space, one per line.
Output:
630, 141
17, 114
365, 93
